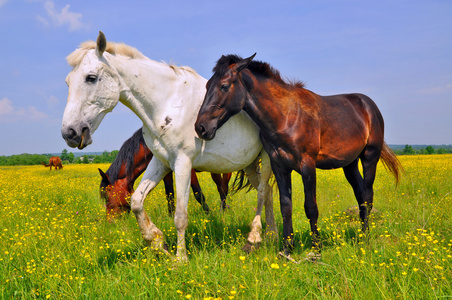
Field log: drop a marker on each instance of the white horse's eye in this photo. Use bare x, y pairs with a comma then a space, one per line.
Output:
91, 78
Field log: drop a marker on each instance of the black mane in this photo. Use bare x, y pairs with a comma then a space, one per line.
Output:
258, 68
126, 154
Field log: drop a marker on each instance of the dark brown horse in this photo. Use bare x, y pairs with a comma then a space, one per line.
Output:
133, 157
54, 161
301, 131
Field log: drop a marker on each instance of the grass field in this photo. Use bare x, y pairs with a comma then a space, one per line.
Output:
57, 244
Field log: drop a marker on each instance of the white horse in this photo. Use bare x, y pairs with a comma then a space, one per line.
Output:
167, 99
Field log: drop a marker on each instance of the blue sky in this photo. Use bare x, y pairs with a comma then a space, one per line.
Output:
397, 52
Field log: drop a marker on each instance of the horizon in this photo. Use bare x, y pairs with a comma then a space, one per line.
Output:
397, 53
85, 152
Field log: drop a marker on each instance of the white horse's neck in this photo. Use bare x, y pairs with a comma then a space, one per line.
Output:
155, 91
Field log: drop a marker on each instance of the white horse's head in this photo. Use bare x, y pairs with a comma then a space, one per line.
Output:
94, 90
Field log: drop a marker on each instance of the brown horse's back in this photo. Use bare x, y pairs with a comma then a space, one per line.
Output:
349, 117
54, 161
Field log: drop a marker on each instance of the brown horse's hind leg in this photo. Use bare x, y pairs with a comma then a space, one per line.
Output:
369, 162
196, 188
169, 190
356, 181
222, 186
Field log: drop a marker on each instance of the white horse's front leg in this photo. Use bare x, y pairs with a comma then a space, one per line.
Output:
155, 172
182, 172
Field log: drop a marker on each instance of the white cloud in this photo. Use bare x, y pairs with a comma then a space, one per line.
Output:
3, 2
6, 106
10, 114
52, 101
61, 18
437, 89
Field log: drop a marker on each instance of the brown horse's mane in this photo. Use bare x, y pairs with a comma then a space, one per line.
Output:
258, 68
126, 154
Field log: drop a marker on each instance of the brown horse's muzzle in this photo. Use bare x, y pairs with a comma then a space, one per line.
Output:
206, 130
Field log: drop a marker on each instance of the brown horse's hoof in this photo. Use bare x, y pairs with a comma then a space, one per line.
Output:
248, 248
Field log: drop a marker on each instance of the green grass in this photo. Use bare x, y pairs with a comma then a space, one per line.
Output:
57, 244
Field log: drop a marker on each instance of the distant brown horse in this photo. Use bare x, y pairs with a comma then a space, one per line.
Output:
54, 161
300, 131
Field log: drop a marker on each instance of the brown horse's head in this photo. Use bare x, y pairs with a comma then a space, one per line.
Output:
116, 195
225, 95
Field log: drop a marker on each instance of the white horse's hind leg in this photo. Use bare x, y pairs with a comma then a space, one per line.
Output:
254, 237
182, 172
259, 178
155, 172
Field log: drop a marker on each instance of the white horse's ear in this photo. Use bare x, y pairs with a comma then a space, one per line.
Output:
101, 44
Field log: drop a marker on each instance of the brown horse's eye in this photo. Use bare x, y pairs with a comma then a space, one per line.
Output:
225, 88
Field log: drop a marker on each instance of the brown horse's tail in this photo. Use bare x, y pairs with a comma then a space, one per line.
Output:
45, 164
391, 162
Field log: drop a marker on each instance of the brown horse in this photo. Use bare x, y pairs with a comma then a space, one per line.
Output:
54, 161
133, 157
300, 131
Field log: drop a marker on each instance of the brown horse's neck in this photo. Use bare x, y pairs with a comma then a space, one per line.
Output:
127, 175
269, 104
141, 161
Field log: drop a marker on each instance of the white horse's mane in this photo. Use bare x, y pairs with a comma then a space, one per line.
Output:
75, 58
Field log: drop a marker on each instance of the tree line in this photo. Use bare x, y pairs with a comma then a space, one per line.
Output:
66, 157
109, 157
411, 150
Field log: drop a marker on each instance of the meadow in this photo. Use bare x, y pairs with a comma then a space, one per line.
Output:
57, 244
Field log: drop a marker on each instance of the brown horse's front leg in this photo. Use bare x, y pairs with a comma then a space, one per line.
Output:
308, 174
283, 178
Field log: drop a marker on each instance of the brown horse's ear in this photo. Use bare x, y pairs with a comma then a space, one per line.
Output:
104, 177
101, 44
244, 63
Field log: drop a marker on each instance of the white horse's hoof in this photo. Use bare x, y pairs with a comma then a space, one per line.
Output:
313, 257
250, 247
288, 257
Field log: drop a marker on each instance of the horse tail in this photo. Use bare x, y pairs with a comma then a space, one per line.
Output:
241, 182
45, 164
391, 162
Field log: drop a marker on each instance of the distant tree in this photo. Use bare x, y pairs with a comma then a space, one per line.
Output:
430, 150
71, 157
408, 150
441, 151
64, 155
85, 159
114, 153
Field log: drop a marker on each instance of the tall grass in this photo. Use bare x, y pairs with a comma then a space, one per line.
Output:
57, 244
